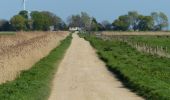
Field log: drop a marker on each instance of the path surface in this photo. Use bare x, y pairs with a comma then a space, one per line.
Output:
82, 76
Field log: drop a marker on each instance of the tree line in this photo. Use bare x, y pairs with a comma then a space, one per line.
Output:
157, 21
44, 21
133, 21
34, 21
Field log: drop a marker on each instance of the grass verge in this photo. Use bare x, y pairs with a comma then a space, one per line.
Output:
7, 33
146, 74
34, 84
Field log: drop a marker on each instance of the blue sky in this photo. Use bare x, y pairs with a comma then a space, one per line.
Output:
101, 9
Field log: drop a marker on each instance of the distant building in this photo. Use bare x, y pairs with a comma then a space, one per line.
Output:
75, 29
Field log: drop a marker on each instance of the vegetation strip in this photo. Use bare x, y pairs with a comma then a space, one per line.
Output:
7, 33
34, 84
144, 73
154, 45
153, 41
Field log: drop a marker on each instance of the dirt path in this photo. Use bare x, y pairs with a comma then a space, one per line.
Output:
82, 76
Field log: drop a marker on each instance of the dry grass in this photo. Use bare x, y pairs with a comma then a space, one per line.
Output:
19, 52
135, 33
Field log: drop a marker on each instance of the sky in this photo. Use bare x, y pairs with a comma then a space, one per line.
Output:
100, 9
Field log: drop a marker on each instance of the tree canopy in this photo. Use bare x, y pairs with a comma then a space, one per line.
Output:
18, 23
134, 21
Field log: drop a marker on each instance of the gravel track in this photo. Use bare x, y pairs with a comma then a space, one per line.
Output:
83, 76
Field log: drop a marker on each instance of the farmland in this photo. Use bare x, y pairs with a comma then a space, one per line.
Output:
34, 84
149, 42
144, 73
153, 41
157, 33
23, 49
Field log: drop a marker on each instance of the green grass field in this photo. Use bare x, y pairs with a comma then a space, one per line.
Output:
35, 83
153, 41
146, 74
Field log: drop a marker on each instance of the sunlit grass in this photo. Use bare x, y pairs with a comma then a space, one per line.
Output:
7, 33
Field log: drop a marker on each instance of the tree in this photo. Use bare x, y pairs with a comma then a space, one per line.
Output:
94, 25
86, 20
54, 20
75, 21
160, 20
122, 23
58, 23
5, 25
106, 25
61, 26
100, 27
41, 21
82, 20
18, 23
163, 21
146, 23
133, 19
24, 14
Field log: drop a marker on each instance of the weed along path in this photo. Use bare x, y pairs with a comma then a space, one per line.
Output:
83, 76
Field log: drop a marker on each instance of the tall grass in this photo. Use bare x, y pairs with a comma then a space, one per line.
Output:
146, 74
34, 84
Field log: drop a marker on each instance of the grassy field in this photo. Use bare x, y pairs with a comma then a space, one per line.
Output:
157, 33
146, 74
34, 84
153, 41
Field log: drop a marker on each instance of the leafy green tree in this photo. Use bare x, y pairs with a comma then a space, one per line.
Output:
5, 25
86, 20
160, 20
106, 25
146, 23
18, 23
60, 26
75, 21
133, 19
54, 20
40, 21
100, 27
163, 21
24, 14
122, 23
94, 25
82, 20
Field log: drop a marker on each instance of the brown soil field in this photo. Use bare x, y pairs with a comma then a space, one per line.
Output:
20, 51
136, 33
